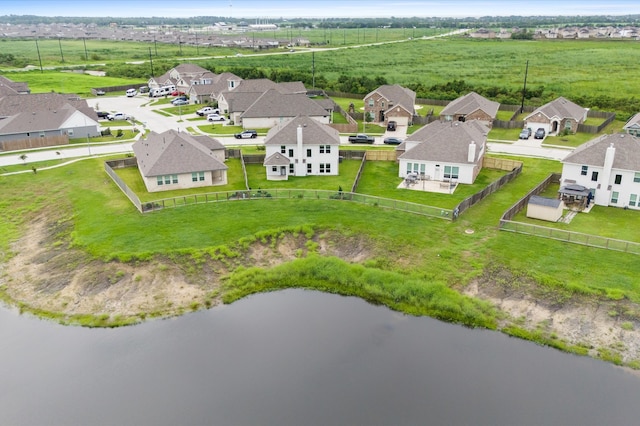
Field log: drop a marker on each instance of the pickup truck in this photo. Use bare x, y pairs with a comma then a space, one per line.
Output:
361, 138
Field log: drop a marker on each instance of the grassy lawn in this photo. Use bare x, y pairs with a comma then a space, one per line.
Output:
380, 178
348, 170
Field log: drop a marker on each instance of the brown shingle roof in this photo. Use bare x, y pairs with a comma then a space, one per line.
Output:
174, 152
275, 104
471, 103
313, 133
446, 141
561, 108
397, 96
593, 152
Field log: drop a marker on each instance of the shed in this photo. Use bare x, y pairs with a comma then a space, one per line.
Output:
543, 208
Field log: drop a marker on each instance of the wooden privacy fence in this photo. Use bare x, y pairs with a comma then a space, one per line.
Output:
34, 142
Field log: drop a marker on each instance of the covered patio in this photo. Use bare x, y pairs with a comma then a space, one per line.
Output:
418, 182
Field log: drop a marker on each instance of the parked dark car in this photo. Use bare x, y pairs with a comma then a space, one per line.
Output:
143, 89
392, 141
102, 114
539, 133
391, 126
525, 133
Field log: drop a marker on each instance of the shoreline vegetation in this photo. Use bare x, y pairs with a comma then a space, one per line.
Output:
76, 252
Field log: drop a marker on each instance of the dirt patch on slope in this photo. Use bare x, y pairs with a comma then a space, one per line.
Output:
46, 274
608, 328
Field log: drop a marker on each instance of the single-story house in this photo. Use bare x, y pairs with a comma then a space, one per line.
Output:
556, 116
391, 102
444, 151
301, 146
272, 108
544, 208
471, 106
632, 126
255, 86
174, 75
609, 168
178, 160
45, 119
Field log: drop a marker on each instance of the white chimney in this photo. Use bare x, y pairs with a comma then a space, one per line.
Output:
608, 157
471, 157
300, 167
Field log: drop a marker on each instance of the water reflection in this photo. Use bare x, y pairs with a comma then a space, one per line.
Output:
297, 357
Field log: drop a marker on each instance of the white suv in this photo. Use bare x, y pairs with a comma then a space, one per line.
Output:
206, 111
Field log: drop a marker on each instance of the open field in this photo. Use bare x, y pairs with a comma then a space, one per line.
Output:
441, 68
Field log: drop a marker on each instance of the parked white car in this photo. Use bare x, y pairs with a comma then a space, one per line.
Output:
207, 110
118, 116
215, 117
131, 93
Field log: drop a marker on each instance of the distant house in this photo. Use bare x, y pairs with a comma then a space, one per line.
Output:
10, 87
632, 126
445, 151
44, 119
301, 146
544, 208
208, 87
272, 108
471, 107
174, 75
177, 160
391, 102
556, 116
609, 168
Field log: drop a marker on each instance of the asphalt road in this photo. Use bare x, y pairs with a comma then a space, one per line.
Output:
138, 108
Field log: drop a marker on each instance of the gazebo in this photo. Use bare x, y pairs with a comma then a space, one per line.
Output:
575, 197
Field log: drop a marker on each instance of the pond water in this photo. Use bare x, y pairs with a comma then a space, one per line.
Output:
298, 357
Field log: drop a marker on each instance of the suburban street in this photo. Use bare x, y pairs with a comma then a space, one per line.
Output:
138, 108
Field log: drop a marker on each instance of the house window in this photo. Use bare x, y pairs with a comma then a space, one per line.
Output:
408, 168
451, 172
290, 152
594, 176
42, 134
283, 149
633, 199
422, 169
174, 178
636, 177
274, 169
291, 169
194, 177
325, 168
371, 102
70, 132
567, 125
321, 149
309, 169
583, 172
382, 104
618, 179
308, 152
160, 181
327, 149
614, 197
167, 180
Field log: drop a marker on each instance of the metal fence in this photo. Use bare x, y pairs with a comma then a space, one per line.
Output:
570, 236
311, 194
120, 164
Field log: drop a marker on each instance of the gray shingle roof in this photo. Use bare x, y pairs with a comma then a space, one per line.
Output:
447, 141
397, 96
275, 104
634, 122
14, 104
544, 201
561, 108
471, 103
313, 133
38, 121
174, 152
593, 152
277, 159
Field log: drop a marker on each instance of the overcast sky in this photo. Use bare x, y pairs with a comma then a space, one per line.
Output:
317, 8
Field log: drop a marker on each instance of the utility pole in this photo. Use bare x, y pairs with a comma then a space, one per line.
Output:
151, 61
524, 88
86, 56
313, 70
39, 58
61, 54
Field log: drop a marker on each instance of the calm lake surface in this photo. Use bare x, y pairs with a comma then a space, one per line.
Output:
299, 358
